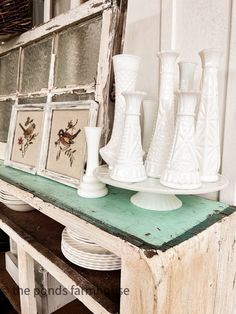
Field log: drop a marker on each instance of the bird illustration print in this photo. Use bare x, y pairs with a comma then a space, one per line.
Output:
28, 137
66, 140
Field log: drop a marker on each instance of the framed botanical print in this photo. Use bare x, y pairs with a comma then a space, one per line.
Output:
64, 147
25, 136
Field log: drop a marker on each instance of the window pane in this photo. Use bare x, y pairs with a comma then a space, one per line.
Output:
5, 115
78, 53
36, 65
8, 72
60, 6
38, 10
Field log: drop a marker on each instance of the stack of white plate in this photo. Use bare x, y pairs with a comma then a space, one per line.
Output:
81, 251
13, 202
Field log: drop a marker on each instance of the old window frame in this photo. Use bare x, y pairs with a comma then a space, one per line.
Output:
113, 13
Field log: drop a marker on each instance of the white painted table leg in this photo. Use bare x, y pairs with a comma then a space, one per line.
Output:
13, 246
138, 294
26, 282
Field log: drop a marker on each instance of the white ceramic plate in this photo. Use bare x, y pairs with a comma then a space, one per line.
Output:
10, 197
89, 265
16, 202
88, 249
92, 259
97, 260
79, 237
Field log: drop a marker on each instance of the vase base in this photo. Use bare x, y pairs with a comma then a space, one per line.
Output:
156, 202
181, 180
152, 171
128, 173
90, 187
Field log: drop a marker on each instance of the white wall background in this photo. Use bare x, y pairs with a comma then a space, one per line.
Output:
189, 26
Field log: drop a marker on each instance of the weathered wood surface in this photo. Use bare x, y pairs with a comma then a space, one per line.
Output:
194, 277
172, 263
85, 11
26, 282
40, 236
114, 213
8, 286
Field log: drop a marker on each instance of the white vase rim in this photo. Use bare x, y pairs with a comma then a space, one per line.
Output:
138, 93
126, 56
173, 52
219, 50
188, 62
93, 127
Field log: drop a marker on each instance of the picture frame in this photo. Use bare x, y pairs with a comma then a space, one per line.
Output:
25, 137
63, 149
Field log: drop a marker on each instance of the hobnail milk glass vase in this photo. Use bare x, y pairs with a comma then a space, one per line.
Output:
182, 171
164, 130
129, 166
125, 71
186, 75
207, 126
90, 187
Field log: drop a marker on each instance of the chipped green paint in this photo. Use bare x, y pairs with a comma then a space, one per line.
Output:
116, 215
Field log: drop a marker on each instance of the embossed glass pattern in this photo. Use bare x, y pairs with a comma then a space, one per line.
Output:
5, 115
8, 72
36, 65
78, 54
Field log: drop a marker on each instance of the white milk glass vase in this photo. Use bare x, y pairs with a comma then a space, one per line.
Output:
186, 75
90, 186
207, 127
126, 71
129, 166
164, 130
182, 170
149, 119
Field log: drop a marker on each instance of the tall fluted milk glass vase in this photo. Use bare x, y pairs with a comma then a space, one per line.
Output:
207, 127
129, 166
126, 70
90, 187
164, 130
182, 170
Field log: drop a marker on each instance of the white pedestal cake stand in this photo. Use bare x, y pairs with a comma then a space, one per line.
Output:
154, 196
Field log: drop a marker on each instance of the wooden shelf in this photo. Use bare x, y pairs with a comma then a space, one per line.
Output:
72, 308
44, 234
8, 286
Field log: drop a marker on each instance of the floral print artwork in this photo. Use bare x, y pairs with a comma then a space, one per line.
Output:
66, 140
28, 135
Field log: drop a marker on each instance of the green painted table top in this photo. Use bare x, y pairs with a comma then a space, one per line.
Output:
116, 215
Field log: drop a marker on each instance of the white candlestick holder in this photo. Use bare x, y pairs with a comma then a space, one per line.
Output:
90, 186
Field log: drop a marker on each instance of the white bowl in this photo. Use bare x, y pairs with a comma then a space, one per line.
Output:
20, 207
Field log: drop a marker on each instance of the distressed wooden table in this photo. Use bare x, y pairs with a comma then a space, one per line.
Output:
175, 262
